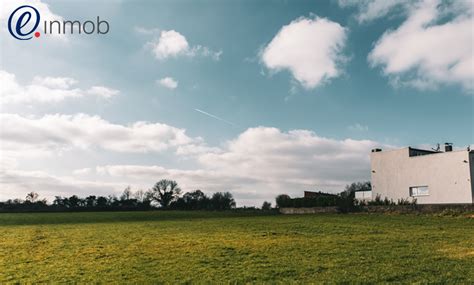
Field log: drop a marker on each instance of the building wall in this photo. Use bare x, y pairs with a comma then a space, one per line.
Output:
363, 195
471, 165
447, 175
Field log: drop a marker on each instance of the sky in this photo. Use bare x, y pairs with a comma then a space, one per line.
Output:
258, 98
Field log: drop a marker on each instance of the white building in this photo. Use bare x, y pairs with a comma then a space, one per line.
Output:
432, 177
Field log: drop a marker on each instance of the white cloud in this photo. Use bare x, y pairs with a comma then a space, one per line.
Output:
173, 44
207, 180
358, 128
54, 82
170, 44
82, 171
102, 91
298, 155
168, 82
196, 149
205, 52
263, 162
369, 10
9, 6
145, 31
432, 47
45, 90
255, 166
310, 48
16, 183
57, 133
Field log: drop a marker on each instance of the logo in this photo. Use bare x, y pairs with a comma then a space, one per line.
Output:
22, 28
25, 20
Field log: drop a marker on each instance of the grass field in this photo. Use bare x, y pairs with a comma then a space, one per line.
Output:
150, 247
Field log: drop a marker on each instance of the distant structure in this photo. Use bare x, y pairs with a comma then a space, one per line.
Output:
312, 194
430, 176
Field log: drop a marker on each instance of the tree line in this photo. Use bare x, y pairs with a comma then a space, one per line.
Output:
165, 194
345, 201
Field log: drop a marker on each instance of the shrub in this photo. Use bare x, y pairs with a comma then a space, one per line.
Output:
283, 200
378, 201
266, 206
347, 203
222, 201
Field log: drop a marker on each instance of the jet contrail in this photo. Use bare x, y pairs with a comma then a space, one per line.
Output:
215, 117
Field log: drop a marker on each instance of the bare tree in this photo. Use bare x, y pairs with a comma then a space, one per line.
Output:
140, 195
127, 194
165, 191
32, 197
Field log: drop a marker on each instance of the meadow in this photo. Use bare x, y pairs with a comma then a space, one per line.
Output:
233, 247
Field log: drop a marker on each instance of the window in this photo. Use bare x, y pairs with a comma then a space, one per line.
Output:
419, 191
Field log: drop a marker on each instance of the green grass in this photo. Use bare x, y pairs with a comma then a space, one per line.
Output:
178, 247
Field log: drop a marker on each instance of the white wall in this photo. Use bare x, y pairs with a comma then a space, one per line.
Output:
447, 175
363, 195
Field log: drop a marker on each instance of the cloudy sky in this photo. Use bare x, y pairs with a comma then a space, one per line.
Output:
254, 97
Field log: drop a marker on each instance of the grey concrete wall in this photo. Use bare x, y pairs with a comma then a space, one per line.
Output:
313, 210
425, 209
447, 175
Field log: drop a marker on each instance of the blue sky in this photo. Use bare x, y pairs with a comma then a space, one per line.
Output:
308, 86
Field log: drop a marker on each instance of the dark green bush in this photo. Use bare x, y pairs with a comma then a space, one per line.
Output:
324, 201
283, 201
